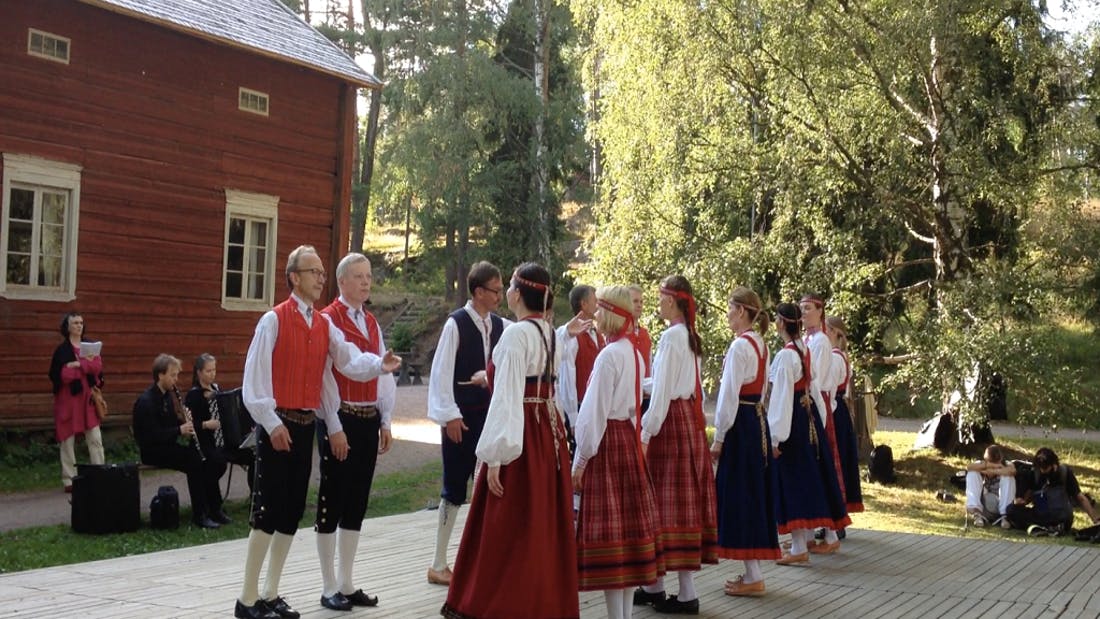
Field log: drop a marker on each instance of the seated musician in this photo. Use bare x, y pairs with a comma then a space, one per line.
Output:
201, 401
160, 420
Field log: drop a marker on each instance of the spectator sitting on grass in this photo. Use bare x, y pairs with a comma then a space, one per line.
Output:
1049, 500
990, 488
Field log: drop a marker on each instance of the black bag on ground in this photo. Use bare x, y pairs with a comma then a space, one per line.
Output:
940, 432
106, 498
881, 468
164, 510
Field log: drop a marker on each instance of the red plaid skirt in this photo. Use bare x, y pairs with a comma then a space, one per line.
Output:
680, 467
617, 524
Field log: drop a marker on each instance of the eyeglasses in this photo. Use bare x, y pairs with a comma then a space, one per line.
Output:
318, 273
496, 291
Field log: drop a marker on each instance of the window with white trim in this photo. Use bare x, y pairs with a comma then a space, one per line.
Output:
252, 101
41, 207
49, 46
248, 273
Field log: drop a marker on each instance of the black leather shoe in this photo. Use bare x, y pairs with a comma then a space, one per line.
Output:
205, 522
644, 598
336, 601
673, 606
362, 599
221, 517
282, 609
258, 610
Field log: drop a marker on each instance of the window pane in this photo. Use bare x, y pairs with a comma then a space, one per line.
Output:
235, 258
19, 269
236, 231
49, 271
259, 233
256, 260
51, 240
233, 285
256, 287
19, 237
22, 204
53, 207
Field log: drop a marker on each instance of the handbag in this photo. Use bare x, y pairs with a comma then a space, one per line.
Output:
100, 403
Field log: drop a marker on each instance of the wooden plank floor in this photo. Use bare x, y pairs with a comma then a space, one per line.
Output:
875, 575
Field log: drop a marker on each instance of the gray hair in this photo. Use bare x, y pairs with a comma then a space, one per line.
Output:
292, 261
347, 261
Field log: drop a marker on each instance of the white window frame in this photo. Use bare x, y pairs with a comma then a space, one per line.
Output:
251, 206
243, 92
49, 35
42, 174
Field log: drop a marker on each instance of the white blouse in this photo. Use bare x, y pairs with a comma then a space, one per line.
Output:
836, 375
786, 370
675, 369
611, 395
441, 393
739, 368
518, 354
821, 357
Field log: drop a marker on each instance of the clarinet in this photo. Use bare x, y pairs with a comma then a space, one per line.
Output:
184, 413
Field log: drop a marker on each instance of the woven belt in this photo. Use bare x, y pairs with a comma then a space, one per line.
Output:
364, 412
296, 415
762, 419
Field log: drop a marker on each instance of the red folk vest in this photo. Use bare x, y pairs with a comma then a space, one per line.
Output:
803, 382
586, 358
351, 390
298, 361
645, 346
756, 387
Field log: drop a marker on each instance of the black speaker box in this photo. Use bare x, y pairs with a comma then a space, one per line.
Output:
106, 498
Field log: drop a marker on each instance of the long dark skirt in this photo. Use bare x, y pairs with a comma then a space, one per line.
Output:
848, 450
809, 494
746, 482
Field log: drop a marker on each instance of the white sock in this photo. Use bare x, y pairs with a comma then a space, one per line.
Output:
448, 512
258, 541
830, 536
326, 552
628, 602
687, 586
798, 541
656, 587
280, 548
752, 571
349, 543
613, 598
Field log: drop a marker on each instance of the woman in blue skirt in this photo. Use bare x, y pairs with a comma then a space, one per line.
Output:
846, 442
808, 492
742, 447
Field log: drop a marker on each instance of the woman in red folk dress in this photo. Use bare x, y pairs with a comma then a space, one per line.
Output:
617, 524
74, 373
518, 552
675, 444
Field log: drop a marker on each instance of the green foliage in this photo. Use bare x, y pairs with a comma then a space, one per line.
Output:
401, 338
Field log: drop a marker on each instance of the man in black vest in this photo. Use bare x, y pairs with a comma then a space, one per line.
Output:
458, 397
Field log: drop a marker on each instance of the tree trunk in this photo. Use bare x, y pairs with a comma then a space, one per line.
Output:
542, 92
370, 145
461, 269
450, 272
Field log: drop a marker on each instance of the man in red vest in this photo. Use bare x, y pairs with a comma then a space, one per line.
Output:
578, 352
362, 411
281, 388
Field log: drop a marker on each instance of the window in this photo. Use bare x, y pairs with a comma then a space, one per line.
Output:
252, 101
40, 216
48, 46
248, 281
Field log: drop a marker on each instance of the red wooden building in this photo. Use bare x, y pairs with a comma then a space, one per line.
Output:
160, 159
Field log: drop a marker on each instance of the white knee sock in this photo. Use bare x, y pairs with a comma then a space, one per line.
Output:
349, 543
613, 598
280, 548
687, 586
448, 512
628, 602
656, 587
326, 552
798, 540
752, 571
258, 541
830, 536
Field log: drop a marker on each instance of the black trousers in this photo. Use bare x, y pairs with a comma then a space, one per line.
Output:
459, 459
282, 480
345, 486
202, 476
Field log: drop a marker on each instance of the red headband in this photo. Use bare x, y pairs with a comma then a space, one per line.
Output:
813, 299
787, 320
615, 309
526, 282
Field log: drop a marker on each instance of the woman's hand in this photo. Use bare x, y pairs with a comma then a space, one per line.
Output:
716, 451
211, 424
775, 452
578, 480
72, 364
495, 486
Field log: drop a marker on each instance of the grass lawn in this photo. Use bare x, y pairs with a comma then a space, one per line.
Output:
908, 506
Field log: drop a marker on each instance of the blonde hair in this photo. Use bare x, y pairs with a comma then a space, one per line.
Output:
608, 322
836, 325
749, 300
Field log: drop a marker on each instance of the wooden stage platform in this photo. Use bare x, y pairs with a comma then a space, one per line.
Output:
875, 575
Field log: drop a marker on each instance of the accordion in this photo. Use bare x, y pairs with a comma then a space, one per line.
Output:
237, 424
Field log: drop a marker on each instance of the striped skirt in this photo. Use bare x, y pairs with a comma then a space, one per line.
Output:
848, 450
746, 489
617, 524
679, 465
809, 495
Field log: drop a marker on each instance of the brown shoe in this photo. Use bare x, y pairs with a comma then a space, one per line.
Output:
440, 577
824, 548
789, 559
740, 588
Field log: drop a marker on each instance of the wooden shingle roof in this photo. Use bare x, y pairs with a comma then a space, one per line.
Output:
265, 27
